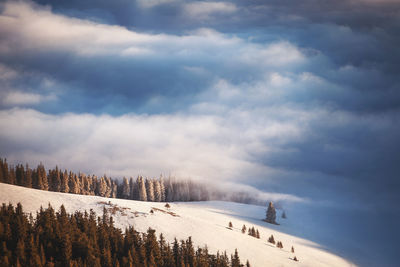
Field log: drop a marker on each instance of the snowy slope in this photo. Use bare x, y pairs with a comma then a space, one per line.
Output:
206, 222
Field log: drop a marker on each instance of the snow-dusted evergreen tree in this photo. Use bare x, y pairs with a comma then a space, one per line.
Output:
132, 189
141, 189
157, 191
108, 186
78, 184
114, 189
125, 188
244, 229
162, 186
102, 187
271, 214
85, 184
149, 189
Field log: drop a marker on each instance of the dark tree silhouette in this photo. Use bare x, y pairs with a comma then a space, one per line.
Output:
79, 239
271, 239
271, 214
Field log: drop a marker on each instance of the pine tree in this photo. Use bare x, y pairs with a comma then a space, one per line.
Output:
149, 190
55, 180
295, 258
125, 188
114, 189
59, 239
162, 189
42, 177
5, 171
244, 229
64, 182
133, 189
230, 225
157, 191
141, 189
292, 250
2, 180
19, 174
11, 175
235, 261
271, 214
20, 252
258, 234
271, 239
28, 177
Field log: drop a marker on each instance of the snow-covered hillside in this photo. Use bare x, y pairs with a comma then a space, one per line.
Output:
206, 222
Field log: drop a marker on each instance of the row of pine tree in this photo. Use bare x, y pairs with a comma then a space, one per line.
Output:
82, 239
143, 189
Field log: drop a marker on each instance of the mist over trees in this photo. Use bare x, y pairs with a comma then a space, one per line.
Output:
82, 239
142, 188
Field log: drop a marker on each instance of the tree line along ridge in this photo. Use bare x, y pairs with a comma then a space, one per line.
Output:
142, 188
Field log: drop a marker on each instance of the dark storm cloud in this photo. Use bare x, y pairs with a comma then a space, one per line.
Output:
359, 34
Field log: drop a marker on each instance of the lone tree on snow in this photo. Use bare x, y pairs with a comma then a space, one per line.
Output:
295, 258
271, 239
244, 229
292, 249
230, 225
271, 214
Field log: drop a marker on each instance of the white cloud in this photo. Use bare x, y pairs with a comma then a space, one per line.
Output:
203, 10
18, 98
28, 28
153, 3
196, 146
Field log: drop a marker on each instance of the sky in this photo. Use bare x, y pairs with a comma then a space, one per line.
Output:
300, 99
